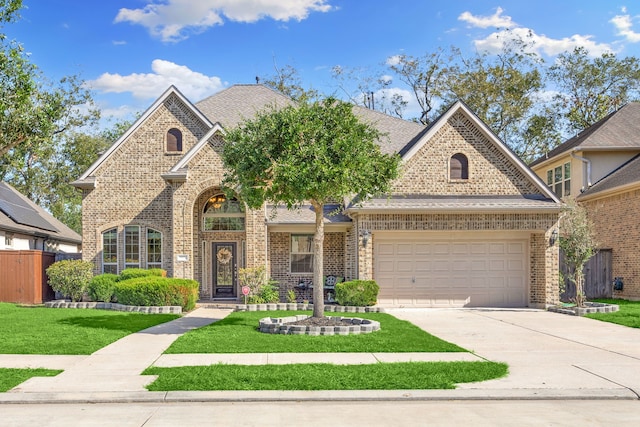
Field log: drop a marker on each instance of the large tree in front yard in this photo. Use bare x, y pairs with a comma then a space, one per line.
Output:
314, 152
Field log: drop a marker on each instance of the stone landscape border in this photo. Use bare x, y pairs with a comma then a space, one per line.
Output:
305, 307
167, 309
281, 325
590, 307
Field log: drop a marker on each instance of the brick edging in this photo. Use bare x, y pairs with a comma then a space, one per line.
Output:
591, 307
304, 307
281, 325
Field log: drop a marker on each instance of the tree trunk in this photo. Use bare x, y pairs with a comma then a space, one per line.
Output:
318, 261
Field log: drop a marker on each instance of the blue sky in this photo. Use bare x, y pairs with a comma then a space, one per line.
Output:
130, 51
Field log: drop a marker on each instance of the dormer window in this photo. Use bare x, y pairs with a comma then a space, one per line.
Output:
174, 140
458, 167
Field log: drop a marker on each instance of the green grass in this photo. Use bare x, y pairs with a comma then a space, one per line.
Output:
628, 315
380, 376
40, 330
238, 333
9, 378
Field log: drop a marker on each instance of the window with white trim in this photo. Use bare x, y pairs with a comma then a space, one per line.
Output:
458, 167
154, 248
559, 180
131, 246
110, 251
222, 214
302, 253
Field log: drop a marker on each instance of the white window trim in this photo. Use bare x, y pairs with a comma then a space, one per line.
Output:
154, 264
129, 264
102, 257
291, 253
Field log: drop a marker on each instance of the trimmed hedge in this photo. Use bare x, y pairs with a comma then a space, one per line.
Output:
102, 287
360, 293
70, 277
161, 291
132, 273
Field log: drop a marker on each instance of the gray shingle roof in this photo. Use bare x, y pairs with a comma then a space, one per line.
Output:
626, 174
239, 102
305, 215
620, 129
458, 203
21, 215
230, 106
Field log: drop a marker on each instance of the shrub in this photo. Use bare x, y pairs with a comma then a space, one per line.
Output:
70, 277
132, 273
158, 291
357, 292
102, 287
261, 290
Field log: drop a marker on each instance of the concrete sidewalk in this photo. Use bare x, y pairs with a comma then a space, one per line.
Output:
549, 355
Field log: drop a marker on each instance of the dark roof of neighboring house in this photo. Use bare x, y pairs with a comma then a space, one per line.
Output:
626, 174
230, 106
620, 129
19, 214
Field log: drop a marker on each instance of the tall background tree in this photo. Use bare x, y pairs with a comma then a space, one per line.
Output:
314, 152
41, 147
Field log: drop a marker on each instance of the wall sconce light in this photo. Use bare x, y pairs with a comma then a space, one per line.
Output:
553, 238
366, 235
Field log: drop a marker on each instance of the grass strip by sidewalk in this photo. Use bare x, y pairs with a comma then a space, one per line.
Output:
238, 333
628, 315
10, 377
40, 330
319, 376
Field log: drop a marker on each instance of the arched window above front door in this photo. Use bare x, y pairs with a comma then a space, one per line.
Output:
222, 214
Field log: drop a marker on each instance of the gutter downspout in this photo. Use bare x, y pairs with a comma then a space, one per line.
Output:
588, 163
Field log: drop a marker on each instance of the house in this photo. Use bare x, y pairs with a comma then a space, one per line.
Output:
26, 226
600, 168
468, 224
31, 239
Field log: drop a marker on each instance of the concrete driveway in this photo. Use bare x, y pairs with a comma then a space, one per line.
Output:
544, 350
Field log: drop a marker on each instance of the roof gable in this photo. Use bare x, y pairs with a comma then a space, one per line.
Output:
86, 181
511, 162
619, 130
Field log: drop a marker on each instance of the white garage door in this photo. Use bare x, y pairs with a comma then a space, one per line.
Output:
461, 271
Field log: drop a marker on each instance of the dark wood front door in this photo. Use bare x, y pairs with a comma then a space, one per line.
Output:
225, 270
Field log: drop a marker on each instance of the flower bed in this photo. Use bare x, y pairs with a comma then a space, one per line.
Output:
590, 307
345, 326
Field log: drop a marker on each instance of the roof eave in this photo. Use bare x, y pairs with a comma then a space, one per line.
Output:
88, 183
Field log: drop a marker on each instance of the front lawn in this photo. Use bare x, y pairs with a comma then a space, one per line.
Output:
380, 376
628, 315
9, 378
238, 333
40, 330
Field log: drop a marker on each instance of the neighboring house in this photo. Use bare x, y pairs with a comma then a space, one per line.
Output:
600, 168
468, 224
31, 239
26, 226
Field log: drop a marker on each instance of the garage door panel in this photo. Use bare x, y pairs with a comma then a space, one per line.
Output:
452, 273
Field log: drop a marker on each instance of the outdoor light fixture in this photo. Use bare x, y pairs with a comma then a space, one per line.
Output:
365, 234
553, 238
217, 201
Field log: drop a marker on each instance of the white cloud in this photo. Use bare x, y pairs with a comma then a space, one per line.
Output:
193, 85
394, 60
496, 20
175, 20
540, 43
624, 24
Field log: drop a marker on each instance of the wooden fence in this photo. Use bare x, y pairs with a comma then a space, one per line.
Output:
23, 278
598, 282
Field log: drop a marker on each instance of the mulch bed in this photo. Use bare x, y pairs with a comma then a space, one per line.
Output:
321, 321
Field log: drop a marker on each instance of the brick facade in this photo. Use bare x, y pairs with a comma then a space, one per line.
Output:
615, 224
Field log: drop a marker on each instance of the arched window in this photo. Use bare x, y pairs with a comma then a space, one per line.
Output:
174, 140
458, 167
222, 214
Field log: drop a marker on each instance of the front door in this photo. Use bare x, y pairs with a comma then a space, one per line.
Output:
225, 269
